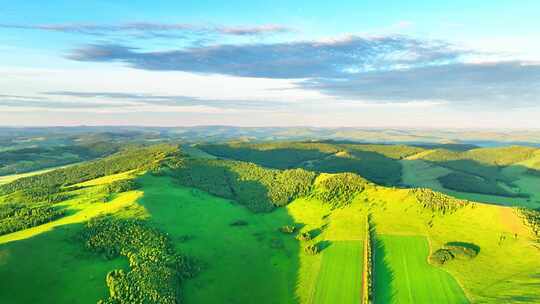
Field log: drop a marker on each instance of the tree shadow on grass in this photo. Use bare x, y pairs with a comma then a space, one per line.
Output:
383, 275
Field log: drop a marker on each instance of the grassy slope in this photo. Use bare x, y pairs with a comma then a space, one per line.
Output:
241, 263
279, 271
45, 264
418, 173
517, 260
403, 275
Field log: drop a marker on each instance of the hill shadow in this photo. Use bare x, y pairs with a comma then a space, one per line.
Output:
487, 183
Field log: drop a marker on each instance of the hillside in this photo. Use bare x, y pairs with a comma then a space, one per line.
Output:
503, 175
153, 224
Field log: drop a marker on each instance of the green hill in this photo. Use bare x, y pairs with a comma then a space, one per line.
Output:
154, 225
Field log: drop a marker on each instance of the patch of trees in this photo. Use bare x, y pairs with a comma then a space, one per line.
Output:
370, 165
288, 229
15, 217
156, 270
312, 249
340, 189
454, 250
438, 202
137, 158
122, 186
260, 189
389, 151
474, 184
531, 218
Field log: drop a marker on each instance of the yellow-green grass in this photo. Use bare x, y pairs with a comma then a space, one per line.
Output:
47, 264
507, 269
419, 173
328, 226
340, 276
9, 178
403, 275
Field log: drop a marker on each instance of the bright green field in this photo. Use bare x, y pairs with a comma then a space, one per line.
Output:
241, 263
402, 274
49, 268
340, 276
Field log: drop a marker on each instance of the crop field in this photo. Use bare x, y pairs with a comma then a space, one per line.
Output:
340, 276
403, 275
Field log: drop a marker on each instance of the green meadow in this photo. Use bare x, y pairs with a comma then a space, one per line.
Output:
340, 276
403, 275
307, 250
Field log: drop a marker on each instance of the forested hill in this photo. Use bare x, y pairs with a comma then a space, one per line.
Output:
135, 158
463, 168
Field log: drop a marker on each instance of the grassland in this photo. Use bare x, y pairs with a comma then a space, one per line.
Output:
279, 271
498, 231
244, 256
45, 264
403, 275
241, 262
419, 173
340, 276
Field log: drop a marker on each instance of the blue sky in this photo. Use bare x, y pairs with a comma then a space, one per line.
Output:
271, 63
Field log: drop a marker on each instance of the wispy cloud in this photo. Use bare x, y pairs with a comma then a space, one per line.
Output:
72, 100
508, 84
304, 59
152, 29
380, 69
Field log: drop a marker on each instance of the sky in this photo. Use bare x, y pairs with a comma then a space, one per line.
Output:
409, 64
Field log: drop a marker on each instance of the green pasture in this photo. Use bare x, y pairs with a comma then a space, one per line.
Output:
240, 262
340, 276
403, 275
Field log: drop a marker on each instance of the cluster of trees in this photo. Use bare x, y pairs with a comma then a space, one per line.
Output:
15, 217
367, 286
340, 189
137, 158
260, 189
370, 165
122, 186
156, 270
438, 202
532, 218
475, 184
312, 249
454, 250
